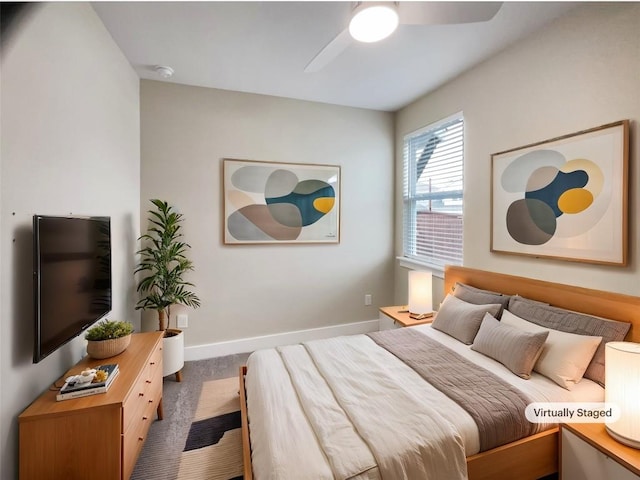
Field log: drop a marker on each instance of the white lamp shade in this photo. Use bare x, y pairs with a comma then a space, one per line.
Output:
622, 377
420, 292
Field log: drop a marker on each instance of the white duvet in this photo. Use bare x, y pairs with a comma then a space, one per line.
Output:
345, 408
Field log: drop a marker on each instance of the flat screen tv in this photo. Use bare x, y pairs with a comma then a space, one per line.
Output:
72, 278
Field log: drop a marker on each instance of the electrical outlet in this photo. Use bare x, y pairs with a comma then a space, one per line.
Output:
367, 299
182, 321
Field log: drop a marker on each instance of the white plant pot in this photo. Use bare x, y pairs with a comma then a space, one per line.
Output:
173, 353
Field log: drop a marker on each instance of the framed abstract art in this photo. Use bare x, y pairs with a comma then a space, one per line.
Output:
272, 202
564, 198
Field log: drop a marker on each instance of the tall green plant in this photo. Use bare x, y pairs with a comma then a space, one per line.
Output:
164, 262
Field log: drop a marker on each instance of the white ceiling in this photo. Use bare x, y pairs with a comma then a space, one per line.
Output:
263, 47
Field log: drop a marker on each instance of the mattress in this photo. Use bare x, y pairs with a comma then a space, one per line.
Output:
347, 408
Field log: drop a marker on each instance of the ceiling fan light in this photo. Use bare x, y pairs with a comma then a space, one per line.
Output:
372, 23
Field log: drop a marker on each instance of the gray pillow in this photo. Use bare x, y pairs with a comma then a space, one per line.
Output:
573, 322
460, 319
478, 296
516, 349
518, 298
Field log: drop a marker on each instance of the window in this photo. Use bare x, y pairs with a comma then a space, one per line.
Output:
432, 212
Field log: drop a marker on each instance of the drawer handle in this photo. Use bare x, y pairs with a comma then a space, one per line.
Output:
151, 400
141, 394
145, 417
153, 363
148, 381
141, 439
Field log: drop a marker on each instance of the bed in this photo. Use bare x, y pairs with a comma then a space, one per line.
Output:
297, 423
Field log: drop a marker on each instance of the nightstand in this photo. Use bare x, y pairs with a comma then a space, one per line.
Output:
587, 452
397, 317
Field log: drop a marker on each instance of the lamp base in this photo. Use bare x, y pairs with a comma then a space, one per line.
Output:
420, 316
630, 442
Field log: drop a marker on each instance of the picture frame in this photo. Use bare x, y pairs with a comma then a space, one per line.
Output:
565, 198
280, 203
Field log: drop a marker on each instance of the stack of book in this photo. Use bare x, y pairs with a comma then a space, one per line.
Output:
75, 389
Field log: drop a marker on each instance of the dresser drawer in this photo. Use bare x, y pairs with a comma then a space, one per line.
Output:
156, 358
147, 390
139, 410
135, 403
139, 424
132, 442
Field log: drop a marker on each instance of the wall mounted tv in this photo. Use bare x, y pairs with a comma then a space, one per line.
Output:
72, 278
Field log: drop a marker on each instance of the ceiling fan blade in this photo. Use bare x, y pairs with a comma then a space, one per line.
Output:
330, 51
436, 13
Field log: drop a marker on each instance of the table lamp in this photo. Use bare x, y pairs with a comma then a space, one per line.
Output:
622, 376
420, 294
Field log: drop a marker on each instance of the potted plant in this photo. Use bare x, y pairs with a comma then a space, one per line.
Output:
108, 338
163, 261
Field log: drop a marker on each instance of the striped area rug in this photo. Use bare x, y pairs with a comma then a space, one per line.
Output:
213, 447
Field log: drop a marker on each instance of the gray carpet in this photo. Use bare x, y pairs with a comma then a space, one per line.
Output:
160, 456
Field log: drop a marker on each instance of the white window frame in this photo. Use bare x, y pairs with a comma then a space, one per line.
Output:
411, 258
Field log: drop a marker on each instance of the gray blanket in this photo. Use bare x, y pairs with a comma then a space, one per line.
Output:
496, 407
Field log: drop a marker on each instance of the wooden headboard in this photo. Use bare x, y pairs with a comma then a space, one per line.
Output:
615, 306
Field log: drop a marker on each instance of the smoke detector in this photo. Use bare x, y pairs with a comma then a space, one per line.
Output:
164, 71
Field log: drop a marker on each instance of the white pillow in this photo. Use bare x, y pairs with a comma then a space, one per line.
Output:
565, 356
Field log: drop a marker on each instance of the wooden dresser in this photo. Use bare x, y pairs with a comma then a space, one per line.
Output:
100, 436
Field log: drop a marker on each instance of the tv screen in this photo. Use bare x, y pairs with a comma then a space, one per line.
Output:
72, 278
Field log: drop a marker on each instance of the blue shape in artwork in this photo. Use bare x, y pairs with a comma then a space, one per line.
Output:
304, 203
552, 192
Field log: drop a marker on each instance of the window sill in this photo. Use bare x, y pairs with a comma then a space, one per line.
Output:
417, 265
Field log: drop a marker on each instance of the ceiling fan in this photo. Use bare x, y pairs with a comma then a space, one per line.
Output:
374, 21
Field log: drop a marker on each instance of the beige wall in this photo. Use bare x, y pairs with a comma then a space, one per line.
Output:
259, 290
581, 72
70, 144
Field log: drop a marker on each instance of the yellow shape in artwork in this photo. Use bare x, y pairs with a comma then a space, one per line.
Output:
324, 204
575, 200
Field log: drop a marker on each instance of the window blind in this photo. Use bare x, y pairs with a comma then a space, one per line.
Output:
433, 187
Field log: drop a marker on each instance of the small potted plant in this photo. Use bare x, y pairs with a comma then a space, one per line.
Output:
164, 262
108, 338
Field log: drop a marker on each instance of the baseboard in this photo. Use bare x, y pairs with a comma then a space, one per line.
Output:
243, 345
